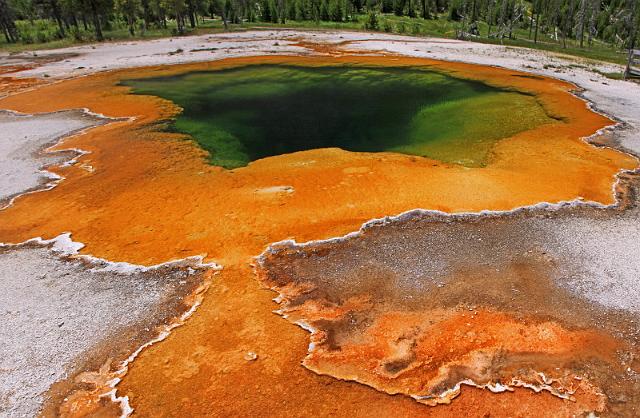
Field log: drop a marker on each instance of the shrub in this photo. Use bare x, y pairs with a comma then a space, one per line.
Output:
76, 34
26, 37
372, 21
454, 12
41, 37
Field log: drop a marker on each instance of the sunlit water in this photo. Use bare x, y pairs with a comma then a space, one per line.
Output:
243, 114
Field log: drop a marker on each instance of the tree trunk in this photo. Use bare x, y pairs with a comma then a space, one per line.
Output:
583, 12
131, 22
595, 8
535, 36
502, 21
180, 23
224, 18
96, 20
55, 9
425, 9
489, 18
146, 16
281, 11
7, 22
531, 23
191, 12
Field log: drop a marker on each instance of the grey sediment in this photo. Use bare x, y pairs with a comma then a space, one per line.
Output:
62, 315
24, 149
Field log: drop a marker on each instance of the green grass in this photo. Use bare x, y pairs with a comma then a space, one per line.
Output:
612, 76
119, 32
388, 23
444, 28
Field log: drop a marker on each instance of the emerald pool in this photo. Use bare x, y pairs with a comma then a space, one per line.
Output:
246, 113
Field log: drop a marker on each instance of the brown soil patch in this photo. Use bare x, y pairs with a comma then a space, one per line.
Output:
421, 304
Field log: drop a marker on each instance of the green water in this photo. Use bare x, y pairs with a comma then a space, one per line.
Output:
243, 114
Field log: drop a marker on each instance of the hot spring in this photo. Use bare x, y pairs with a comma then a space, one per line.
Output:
256, 111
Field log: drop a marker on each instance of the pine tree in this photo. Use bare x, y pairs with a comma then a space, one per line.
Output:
266, 11
7, 22
128, 9
336, 11
398, 7
411, 10
372, 21
324, 11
